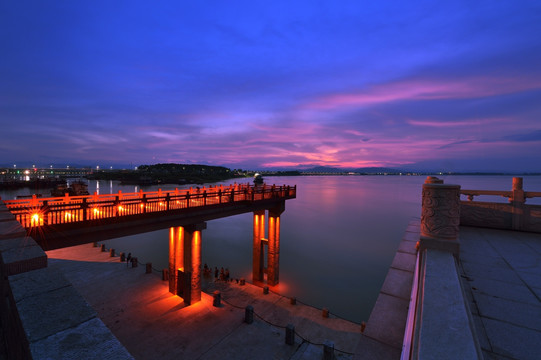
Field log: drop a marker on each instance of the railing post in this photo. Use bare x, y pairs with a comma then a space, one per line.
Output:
187, 200
144, 202
45, 212
167, 200
84, 207
204, 197
117, 204
220, 196
440, 216
517, 201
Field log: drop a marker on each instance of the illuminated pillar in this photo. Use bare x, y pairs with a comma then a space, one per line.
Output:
176, 256
185, 262
259, 234
192, 262
273, 255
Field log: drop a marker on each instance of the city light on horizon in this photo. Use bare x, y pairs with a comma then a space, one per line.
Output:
452, 86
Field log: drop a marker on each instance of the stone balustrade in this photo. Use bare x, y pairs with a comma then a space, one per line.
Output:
514, 215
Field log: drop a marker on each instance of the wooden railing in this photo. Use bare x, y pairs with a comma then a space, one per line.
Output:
67, 209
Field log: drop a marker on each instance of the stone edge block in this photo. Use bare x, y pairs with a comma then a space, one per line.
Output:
89, 340
17, 242
388, 317
49, 312
388, 320
6, 216
23, 259
11, 229
398, 283
404, 261
35, 282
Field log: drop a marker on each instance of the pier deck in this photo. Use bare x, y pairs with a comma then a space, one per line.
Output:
152, 323
501, 276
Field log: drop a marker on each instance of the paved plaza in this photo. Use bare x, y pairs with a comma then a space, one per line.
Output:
501, 276
154, 324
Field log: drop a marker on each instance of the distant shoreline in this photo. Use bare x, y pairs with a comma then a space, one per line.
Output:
190, 174
408, 174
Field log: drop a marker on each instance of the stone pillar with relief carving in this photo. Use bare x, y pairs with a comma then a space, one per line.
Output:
440, 217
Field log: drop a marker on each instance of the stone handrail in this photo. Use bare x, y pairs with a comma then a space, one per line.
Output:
507, 194
514, 215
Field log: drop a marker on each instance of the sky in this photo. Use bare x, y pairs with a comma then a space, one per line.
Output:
439, 85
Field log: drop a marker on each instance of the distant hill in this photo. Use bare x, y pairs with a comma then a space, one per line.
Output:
366, 170
376, 170
324, 169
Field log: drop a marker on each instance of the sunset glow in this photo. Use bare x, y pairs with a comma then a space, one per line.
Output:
451, 86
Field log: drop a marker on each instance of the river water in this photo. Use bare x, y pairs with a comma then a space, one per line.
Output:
337, 238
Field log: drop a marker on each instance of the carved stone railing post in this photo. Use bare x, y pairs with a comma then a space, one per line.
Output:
440, 217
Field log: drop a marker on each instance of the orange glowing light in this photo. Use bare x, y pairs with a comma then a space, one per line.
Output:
96, 211
67, 216
36, 219
120, 208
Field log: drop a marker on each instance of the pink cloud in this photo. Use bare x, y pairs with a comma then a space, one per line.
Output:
472, 122
426, 89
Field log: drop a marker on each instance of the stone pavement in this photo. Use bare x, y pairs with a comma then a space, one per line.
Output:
153, 324
501, 276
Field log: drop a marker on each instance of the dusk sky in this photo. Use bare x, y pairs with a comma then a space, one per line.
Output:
444, 85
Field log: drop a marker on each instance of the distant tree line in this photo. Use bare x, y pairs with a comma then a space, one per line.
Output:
167, 174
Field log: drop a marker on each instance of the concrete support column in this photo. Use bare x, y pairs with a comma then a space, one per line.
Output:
259, 234
440, 217
192, 260
185, 262
176, 256
273, 255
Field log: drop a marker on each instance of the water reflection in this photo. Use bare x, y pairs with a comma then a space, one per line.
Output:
338, 237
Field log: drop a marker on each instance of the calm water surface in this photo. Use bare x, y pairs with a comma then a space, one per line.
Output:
338, 237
